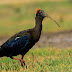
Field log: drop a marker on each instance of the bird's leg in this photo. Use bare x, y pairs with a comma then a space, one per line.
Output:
22, 62
20, 59
22, 56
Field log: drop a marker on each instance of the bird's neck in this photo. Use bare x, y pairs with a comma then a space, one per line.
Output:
38, 26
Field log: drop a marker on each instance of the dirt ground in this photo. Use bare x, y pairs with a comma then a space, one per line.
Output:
25, 1
58, 40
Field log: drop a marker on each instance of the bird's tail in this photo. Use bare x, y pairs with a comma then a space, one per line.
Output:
1, 52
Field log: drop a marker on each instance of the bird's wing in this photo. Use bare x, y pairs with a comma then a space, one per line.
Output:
17, 43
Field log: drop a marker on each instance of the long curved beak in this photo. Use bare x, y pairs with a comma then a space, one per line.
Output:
51, 19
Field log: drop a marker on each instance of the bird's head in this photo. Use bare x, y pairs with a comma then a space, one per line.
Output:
41, 14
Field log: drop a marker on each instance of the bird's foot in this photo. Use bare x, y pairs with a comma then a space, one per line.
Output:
22, 62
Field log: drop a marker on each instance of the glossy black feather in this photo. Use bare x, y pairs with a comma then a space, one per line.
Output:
18, 44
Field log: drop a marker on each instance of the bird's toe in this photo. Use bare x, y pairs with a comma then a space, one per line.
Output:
22, 63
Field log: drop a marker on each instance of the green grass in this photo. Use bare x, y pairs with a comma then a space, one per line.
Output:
40, 60
17, 17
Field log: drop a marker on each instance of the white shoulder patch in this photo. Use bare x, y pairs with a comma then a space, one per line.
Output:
17, 38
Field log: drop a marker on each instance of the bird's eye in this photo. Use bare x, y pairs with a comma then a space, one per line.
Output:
39, 11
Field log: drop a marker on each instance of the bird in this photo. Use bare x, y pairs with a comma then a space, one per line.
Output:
23, 41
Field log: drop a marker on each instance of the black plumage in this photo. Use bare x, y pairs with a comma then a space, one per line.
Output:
21, 42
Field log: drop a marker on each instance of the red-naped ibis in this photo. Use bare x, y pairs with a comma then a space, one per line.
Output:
21, 42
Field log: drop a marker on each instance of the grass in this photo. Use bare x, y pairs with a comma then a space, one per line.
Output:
40, 60
17, 17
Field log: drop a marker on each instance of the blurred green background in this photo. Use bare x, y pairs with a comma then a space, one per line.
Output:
15, 17
51, 54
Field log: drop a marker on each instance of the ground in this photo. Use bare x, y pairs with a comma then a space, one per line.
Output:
24, 1
53, 52
40, 60
58, 40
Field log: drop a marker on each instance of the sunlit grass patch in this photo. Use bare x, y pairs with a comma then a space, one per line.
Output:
42, 59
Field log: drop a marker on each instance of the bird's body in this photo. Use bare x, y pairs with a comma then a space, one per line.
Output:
21, 42
27, 37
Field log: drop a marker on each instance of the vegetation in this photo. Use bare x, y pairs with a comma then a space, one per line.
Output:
17, 17
40, 60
